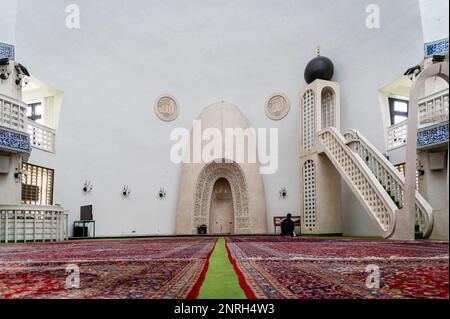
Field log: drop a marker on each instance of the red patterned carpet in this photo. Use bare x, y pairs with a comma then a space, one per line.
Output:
270, 267
131, 269
299, 268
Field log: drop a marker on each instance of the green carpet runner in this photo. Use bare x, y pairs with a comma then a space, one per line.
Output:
221, 281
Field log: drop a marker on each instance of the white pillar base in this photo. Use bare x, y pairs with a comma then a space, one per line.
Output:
404, 227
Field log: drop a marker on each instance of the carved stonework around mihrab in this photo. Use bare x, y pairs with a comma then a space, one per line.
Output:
203, 192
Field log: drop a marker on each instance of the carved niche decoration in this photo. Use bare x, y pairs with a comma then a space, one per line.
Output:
204, 190
277, 106
167, 108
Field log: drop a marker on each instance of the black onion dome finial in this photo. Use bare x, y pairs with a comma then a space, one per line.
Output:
319, 68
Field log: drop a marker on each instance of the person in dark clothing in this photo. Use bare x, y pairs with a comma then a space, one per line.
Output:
287, 226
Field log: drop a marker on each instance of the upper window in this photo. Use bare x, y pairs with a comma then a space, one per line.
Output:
35, 112
399, 110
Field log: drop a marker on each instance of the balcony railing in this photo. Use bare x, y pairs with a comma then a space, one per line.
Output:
13, 113
433, 110
41, 137
396, 135
28, 223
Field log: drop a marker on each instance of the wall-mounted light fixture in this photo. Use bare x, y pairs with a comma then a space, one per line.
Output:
413, 72
126, 191
22, 74
19, 173
4, 72
162, 193
21, 82
283, 193
88, 187
438, 58
420, 170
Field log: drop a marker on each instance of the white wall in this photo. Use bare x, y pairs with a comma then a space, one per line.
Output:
8, 9
10, 188
434, 14
129, 52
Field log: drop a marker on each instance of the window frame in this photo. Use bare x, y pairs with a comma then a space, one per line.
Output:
32, 105
394, 113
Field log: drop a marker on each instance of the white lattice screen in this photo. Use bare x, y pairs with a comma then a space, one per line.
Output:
396, 135
328, 108
12, 114
309, 127
37, 185
433, 109
309, 195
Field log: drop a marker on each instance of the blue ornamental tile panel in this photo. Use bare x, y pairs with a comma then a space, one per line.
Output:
6, 51
439, 47
432, 135
14, 141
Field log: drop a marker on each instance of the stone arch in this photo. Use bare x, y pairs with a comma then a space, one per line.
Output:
207, 178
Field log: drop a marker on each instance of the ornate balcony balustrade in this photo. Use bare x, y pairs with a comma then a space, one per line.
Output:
41, 137
13, 117
13, 113
433, 123
396, 135
433, 109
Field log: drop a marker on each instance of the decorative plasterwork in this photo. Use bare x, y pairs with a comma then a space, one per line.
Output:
233, 173
277, 106
14, 141
167, 108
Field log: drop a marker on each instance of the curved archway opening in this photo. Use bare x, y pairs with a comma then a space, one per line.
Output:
221, 199
328, 107
221, 215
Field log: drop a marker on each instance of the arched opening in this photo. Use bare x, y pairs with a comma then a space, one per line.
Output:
221, 215
328, 108
221, 200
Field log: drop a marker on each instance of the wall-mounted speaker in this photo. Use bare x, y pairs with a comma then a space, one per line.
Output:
5, 164
438, 161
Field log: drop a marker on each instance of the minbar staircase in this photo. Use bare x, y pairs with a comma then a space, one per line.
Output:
377, 184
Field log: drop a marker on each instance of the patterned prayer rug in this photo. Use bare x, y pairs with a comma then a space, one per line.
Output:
154, 268
302, 268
